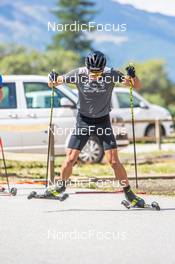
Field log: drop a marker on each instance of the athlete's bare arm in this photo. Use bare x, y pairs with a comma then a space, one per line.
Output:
135, 82
131, 77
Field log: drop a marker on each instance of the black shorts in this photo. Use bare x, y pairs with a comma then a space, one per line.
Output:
87, 127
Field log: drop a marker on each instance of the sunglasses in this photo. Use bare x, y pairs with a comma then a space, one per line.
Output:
96, 73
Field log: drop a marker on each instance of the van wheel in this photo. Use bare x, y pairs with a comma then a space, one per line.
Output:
92, 152
150, 131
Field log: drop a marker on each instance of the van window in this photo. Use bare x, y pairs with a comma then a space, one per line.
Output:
9, 96
124, 100
38, 95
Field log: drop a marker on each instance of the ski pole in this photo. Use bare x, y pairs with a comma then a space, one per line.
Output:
5, 167
50, 131
133, 131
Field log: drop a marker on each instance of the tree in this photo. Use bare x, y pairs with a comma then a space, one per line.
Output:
34, 62
156, 85
8, 49
155, 81
75, 12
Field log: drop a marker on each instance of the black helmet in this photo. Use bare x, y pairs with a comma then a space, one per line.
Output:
95, 61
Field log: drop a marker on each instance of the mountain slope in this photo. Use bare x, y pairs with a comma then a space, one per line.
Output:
148, 35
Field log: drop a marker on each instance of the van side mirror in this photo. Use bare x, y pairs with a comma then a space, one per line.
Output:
143, 105
65, 102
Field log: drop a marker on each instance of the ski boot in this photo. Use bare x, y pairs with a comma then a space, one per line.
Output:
133, 199
55, 191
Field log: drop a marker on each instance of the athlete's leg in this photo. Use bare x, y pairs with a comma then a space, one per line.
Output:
108, 141
119, 170
111, 152
76, 144
120, 174
66, 171
71, 158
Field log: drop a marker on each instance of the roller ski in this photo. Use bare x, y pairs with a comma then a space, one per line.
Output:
134, 201
9, 191
12, 191
154, 205
56, 193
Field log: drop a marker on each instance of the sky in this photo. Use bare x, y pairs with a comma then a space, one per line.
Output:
166, 7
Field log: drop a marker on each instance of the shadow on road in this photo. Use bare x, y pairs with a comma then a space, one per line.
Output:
168, 209
86, 210
108, 210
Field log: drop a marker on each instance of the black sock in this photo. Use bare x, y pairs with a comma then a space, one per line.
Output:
126, 188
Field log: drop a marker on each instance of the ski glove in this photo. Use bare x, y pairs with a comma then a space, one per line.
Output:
53, 76
130, 70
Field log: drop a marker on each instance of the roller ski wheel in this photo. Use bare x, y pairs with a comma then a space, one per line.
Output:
63, 197
13, 191
2, 189
153, 205
32, 195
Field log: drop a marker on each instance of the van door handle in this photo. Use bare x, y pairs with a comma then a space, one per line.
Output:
13, 115
32, 115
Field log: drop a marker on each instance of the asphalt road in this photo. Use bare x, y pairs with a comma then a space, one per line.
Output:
92, 228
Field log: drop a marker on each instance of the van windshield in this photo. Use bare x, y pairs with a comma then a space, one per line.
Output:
124, 101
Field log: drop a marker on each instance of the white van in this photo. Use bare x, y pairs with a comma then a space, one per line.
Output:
25, 112
143, 110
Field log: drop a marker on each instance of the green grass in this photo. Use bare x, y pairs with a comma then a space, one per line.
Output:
150, 155
157, 168
37, 170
